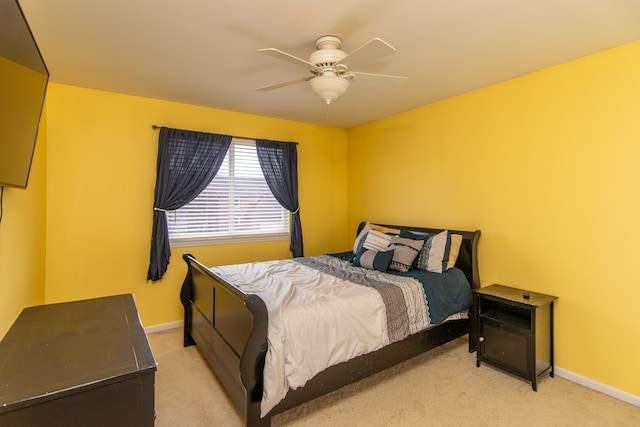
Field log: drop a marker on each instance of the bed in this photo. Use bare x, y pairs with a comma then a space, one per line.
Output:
230, 325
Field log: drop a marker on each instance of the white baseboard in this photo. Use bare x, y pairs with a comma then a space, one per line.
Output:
164, 326
595, 385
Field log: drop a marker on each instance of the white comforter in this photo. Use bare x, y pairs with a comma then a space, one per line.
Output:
316, 320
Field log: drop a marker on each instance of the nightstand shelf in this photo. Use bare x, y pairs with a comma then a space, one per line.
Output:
515, 333
509, 320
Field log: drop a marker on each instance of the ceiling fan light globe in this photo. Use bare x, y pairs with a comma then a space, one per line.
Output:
329, 87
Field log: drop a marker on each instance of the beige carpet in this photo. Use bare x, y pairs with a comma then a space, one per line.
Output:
440, 388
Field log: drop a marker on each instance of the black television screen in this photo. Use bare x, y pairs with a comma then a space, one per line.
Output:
23, 83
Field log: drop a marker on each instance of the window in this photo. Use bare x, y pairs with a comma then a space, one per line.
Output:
237, 206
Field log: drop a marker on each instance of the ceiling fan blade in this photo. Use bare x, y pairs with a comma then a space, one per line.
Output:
283, 84
277, 53
368, 52
378, 79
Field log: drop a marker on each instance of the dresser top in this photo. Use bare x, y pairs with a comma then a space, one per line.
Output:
57, 349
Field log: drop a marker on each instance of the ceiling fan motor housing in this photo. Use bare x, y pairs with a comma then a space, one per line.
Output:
328, 52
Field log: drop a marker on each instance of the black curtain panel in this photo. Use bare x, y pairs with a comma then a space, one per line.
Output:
279, 163
187, 162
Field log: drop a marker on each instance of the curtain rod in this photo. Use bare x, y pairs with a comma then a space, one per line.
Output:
155, 127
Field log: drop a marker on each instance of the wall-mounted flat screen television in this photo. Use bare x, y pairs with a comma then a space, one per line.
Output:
23, 83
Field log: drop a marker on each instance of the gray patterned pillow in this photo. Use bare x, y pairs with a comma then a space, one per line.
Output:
405, 252
434, 254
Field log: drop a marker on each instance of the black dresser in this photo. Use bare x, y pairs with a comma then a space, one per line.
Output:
81, 363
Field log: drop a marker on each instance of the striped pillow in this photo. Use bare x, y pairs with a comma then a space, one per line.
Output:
435, 252
405, 252
377, 240
373, 260
365, 230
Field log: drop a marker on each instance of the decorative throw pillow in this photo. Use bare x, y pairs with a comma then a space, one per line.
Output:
433, 256
454, 250
373, 260
377, 240
365, 230
405, 252
360, 239
415, 236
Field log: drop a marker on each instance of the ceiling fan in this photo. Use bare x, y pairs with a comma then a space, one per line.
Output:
330, 76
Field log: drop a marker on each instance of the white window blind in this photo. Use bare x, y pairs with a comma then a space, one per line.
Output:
237, 206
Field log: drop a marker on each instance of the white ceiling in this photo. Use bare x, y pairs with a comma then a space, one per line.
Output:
203, 52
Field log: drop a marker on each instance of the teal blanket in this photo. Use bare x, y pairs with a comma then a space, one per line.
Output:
447, 293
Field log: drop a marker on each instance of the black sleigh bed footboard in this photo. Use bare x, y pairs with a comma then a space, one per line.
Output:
230, 329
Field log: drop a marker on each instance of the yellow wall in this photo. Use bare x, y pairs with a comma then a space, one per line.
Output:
22, 240
101, 162
547, 166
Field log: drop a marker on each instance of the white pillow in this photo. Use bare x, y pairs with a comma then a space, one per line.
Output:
377, 241
368, 227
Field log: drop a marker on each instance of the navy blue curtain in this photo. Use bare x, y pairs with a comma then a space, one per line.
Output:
187, 162
279, 163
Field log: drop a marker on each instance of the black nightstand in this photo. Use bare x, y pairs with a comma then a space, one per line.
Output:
515, 333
